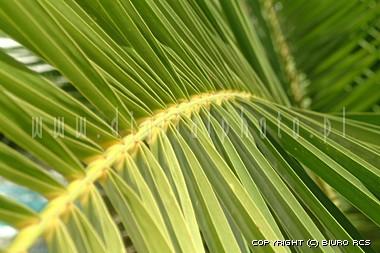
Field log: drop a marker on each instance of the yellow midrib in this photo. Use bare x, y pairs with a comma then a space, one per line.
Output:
99, 166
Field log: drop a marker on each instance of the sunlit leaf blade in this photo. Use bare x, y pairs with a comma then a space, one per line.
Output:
96, 211
143, 229
86, 238
60, 240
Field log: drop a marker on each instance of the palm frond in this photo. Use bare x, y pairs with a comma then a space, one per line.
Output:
336, 45
182, 134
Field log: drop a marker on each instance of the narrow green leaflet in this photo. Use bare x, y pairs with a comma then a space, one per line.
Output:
325, 167
86, 239
15, 214
212, 220
166, 196
19, 127
27, 172
60, 240
144, 231
169, 163
96, 211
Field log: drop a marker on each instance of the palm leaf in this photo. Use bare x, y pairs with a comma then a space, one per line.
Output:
184, 126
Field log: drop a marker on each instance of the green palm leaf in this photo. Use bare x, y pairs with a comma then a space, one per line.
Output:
185, 126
